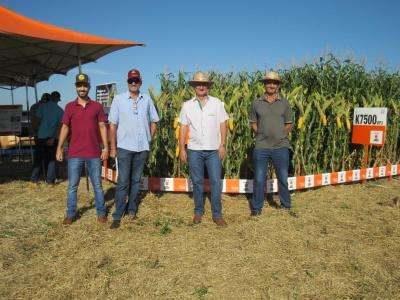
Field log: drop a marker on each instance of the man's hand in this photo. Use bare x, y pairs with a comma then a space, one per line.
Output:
183, 155
104, 154
221, 152
113, 153
59, 154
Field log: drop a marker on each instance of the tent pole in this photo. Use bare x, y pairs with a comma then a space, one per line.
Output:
86, 166
27, 101
78, 48
12, 95
36, 93
29, 122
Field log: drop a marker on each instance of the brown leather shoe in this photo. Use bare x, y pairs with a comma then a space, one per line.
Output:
197, 219
132, 217
33, 185
68, 221
220, 222
102, 219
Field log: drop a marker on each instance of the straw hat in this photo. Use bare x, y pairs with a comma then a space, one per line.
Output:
199, 77
271, 76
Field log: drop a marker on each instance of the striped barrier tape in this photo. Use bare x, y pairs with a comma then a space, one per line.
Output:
233, 186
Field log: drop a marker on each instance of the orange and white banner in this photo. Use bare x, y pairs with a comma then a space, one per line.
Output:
236, 186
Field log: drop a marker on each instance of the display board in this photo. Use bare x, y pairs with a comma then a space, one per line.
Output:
10, 119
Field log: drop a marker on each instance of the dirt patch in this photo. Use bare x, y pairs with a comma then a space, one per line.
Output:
345, 244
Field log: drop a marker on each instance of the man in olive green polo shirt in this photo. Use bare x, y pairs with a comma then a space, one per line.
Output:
271, 120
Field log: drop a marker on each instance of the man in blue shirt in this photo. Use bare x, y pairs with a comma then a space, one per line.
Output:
133, 122
47, 120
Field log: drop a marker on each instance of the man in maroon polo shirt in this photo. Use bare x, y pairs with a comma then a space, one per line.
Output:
85, 120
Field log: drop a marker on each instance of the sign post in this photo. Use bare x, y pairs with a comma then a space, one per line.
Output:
369, 128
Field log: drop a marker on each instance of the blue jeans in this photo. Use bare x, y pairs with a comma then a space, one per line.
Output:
130, 169
44, 156
75, 167
197, 159
280, 161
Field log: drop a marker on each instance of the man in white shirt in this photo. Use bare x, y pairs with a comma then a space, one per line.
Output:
205, 118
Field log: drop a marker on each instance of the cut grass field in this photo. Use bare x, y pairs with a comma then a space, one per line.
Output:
345, 244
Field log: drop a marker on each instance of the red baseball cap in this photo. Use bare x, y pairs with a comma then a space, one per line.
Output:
134, 74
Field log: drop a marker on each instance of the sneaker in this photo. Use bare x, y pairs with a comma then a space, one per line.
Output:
115, 224
68, 221
220, 222
197, 219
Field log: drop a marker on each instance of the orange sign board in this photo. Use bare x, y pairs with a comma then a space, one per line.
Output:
369, 126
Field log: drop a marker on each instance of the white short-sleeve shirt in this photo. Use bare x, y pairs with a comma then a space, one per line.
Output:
204, 123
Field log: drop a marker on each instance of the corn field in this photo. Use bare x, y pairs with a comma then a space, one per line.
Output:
322, 96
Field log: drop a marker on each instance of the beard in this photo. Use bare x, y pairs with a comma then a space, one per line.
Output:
82, 94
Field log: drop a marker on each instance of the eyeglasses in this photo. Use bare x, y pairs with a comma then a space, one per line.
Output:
135, 108
134, 80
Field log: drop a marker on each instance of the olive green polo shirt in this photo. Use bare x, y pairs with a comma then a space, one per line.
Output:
271, 118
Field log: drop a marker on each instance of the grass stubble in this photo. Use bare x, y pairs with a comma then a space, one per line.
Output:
344, 245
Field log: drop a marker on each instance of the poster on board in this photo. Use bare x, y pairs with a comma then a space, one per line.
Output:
105, 93
10, 119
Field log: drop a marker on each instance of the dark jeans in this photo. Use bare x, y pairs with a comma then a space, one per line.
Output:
197, 159
280, 161
130, 169
44, 155
75, 167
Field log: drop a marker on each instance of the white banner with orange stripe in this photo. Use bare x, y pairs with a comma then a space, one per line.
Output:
234, 186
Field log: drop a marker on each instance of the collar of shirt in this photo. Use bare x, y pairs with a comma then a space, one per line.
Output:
278, 98
195, 98
77, 103
140, 96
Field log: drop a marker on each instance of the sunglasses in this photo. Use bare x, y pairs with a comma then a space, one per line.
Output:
134, 80
271, 82
198, 84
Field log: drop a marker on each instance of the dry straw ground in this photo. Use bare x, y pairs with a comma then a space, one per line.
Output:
344, 245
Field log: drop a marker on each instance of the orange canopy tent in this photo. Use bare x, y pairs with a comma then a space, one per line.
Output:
31, 51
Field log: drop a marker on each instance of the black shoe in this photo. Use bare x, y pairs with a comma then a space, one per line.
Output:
255, 213
115, 224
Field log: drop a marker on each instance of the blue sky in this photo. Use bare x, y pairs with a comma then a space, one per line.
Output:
216, 35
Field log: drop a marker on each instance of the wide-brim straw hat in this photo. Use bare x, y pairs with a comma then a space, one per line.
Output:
271, 76
199, 77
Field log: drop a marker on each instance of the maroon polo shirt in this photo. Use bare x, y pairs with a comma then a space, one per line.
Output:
84, 127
